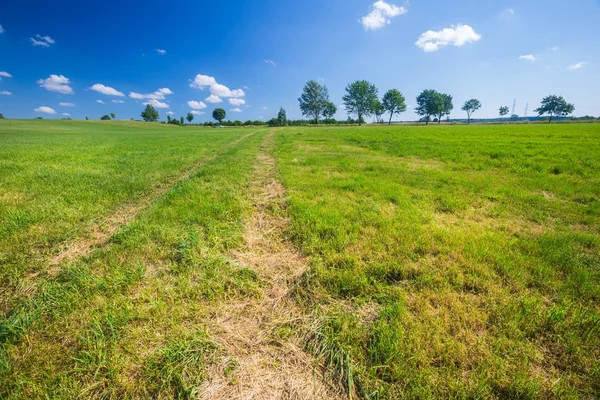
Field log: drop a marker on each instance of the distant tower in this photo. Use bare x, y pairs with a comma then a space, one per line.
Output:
526, 110
514, 107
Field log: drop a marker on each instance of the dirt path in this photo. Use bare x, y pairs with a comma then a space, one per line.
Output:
265, 366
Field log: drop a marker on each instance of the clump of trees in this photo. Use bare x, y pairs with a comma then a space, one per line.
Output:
1, 116
470, 107
555, 106
190, 117
314, 101
150, 114
431, 103
105, 118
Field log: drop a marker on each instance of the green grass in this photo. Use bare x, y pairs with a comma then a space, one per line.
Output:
453, 262
445, 261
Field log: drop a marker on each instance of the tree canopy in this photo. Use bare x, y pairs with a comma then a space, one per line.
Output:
394, 103
359, 99
282, 117
150, 114
470, 107
219, 114
313, 100
329, 110
105, 118
555, 106
378, 109
428, 104
503, 111
190, 117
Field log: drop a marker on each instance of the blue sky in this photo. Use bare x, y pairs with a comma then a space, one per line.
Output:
66, 56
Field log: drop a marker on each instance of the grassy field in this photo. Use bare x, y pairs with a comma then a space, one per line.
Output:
433, 262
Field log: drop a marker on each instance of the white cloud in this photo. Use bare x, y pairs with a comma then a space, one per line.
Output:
118, 101
213, 99
5, 74
5, 93
170, 113
45, 41
511, 11
579, 65
161, 52
107, 90
237, 102
454, 36
554, 48
270, 62
194, 112
264, 108
158, 95
156, 104
2, 29
236, 110
66, 104
216, 89
381, 14
56, 83
196, 105
99, 101
44, 109
528, 57
66, 114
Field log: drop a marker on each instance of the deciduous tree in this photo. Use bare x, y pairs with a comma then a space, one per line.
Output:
190, 117
219, 114
313, 100
150, 114
282, 117
503, 111
555, 106
359, 99
470, 107
428, 103
329, 110
378, 110
394, 103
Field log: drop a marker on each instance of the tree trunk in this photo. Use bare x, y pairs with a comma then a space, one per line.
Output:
427, 120
550, 119
359, 119
391, 115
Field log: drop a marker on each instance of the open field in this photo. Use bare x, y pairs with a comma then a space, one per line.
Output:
154, 261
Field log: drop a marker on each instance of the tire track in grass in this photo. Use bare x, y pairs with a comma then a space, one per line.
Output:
102, 232
266, 362
29, 306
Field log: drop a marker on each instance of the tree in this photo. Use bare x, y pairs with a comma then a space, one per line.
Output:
219, 114
181, 121
313, 100
444, 106
470, 107
329, 110
1, 116
503, 111
282, 117
555, 106
112, 115
394, 103
190, 117
428, 103
105, 118
359, 99
378, 110
150, 114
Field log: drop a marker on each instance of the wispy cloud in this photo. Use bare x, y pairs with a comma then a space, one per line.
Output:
5, 74
156, 104
216, 89
118, 101
44, 41
579, 65
194, 112
44, 109
66, 104
5, 93
196, 105
381, 15
270, 62
162, 52
107, 90
2, 29
528, 57
158, 95
554, 48
66, 114
236, 110
56, 83
99, 101
458, 36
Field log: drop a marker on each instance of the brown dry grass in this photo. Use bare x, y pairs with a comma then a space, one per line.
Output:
266, 365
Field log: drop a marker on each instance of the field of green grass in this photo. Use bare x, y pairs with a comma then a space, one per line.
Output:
441, 261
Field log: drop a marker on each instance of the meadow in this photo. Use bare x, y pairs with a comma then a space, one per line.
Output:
154, 261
